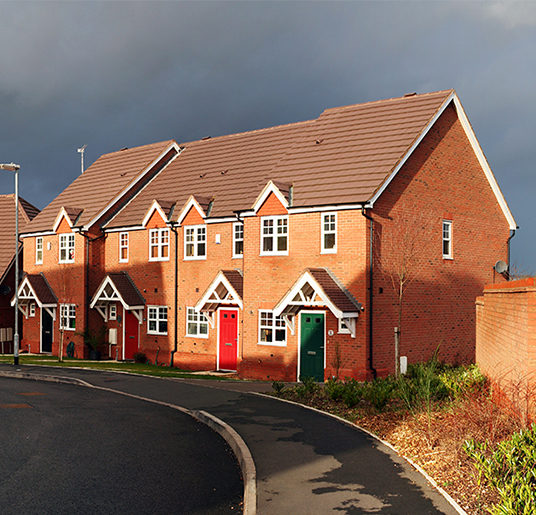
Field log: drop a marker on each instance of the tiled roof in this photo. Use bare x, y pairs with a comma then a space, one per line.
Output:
334, 290
42, 289
7, 227
344, 156
99, 185
235, 280
125, 287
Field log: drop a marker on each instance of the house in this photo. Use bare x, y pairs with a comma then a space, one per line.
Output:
7, 263
277, 252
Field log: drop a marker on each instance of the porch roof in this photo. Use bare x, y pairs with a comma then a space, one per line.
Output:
35, 287
226, 289
118, 287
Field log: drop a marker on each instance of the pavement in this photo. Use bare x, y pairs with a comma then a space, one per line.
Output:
294, 459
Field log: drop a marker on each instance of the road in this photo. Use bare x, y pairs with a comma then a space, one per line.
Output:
68, 450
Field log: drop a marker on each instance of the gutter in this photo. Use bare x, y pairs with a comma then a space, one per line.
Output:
371, 289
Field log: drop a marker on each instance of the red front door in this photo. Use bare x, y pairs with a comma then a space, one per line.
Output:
228, 327
132, 328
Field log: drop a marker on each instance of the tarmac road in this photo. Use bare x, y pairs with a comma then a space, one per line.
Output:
70, 450
307, 463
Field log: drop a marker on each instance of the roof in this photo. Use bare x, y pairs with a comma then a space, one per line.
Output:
7, 228
99, 187
40, 290
226, 289
118, 286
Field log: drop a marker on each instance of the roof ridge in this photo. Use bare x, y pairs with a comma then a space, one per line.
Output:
389, 100
253, 131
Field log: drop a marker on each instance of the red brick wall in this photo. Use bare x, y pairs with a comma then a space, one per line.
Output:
444, 180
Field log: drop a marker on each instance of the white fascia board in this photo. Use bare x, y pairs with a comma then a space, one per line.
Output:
34, 296
484, 163
155, 206
265, 193
321, 209
125, 229
192, 202
37, 234
105, 283
132, 184
411, 149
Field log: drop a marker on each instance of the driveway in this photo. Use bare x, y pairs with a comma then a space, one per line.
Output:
307, 462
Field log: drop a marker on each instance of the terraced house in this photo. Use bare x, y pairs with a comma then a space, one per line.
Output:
280, 252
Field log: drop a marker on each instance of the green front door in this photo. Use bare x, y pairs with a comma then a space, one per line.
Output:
312, 346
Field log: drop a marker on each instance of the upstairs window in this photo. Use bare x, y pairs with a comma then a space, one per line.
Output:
197, 324
274, 235
159, 244
66, 248
272, 329
195, 242
68, 317
157, 319
238, 240
123, 247
39, 250
447, 239
329, 233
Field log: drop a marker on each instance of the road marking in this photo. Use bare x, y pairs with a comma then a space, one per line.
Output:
31, 394
14, 406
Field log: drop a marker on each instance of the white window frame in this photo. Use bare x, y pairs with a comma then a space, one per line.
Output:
39, 250
270, 231
157, 315
238, 237
268, 321
343, 328
329, 226
112, 312
446, 239
68, 315
32, 309
123, 245
159, 241
66, 245
194, 237
197, 320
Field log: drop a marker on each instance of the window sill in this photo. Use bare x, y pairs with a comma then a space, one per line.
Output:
268, 254
202, 336
157, 334
328, 251
273, 344
202, 258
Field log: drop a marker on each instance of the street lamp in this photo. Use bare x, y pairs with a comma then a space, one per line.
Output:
12, 167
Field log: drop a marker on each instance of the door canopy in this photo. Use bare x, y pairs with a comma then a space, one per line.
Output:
118, 287
35, 288
317, 287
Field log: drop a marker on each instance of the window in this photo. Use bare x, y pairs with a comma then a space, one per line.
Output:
112, 312
66, 248
197, 324
274, 235
32, 309
238, 239
329, 233
447, 239
68, 316
272, 330
157, 320
39, 250
159, 245
123, 247
195, 242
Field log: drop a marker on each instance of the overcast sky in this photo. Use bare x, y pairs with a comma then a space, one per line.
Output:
123, 74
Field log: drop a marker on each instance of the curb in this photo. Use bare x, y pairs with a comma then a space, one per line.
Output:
233, 439
419, 469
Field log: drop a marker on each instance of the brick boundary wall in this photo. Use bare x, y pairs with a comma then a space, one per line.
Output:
506, 341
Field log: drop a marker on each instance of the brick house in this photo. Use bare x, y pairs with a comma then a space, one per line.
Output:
273, 252
7, 263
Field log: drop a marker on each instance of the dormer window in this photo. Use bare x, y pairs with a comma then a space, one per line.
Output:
66, 248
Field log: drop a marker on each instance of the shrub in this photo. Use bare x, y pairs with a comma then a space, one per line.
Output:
379, 392
140, 357
278, 387
334, 389
353, 393
510, 469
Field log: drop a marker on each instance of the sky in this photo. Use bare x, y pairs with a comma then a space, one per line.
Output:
126, 73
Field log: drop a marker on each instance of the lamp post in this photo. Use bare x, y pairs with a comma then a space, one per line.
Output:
12, 167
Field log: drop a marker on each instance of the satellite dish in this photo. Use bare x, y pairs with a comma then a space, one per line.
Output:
4, 289
500, 267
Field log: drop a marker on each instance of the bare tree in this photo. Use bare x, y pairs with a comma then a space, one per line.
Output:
400, 255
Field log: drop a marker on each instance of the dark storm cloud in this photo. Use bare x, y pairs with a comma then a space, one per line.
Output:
116, 74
